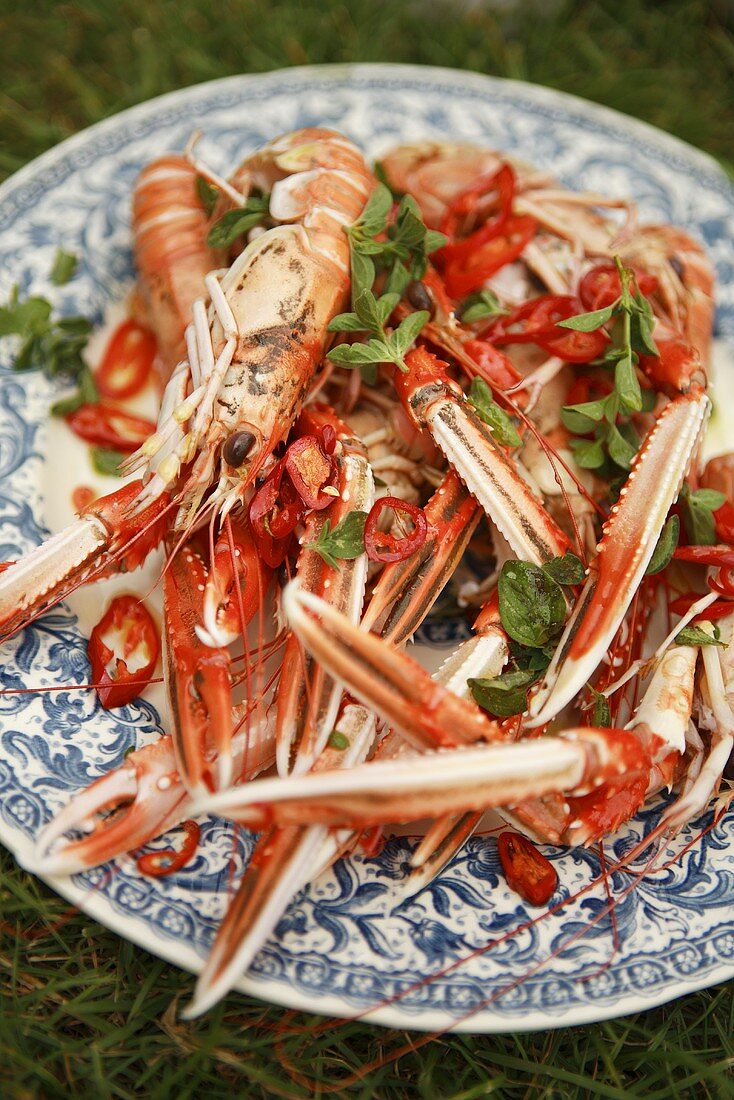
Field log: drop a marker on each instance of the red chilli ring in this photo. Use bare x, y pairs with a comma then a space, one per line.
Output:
382, 546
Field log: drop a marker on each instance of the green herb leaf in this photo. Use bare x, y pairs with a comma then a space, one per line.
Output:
649, 400
106, 461
504, 695
696, 635
590, 322
532, 607
583, 418
346, 541
385, 305
525, 657
663, 552
698, 519
501, 424
405, 334
642, 323
346, 322
711, 499
55, 346
365, 307
363, 274
374, 216
627, 384
64, 268
568, 569
85, 394
27, 318
588, 453
354, 355
620, 450
237, 222
208, 194
398, 279
479, 306
601, 715
338, 740
434, 240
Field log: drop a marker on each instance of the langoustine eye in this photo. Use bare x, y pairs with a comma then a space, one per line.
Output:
237, 447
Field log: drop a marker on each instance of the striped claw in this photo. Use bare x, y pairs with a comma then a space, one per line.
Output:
108, 537
449, 781
136, 803
482, 464
628, 542
406, 590
198, 681
284, 861
384, 679
280, 867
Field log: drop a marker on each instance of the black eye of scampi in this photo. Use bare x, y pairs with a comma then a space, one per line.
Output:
418, 296
237, 447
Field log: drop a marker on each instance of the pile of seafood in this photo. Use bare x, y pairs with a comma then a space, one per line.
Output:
370, 380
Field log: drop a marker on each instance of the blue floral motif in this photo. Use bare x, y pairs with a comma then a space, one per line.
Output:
350, 941
435, 940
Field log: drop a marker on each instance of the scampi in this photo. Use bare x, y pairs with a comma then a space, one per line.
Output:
387, 385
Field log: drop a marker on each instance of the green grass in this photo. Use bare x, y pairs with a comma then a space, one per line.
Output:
84, 1014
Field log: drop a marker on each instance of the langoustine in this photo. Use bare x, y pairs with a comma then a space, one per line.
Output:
569, 237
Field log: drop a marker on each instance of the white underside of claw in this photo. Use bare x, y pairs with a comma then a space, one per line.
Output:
38, 573
492, 479
630, 535
665, 709
481, 656
719, 668
295, 875
315, 848
406, 789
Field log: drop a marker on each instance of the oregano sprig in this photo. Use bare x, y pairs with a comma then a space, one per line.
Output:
400, 250
345, 541
239, 221
533, 612
632, 320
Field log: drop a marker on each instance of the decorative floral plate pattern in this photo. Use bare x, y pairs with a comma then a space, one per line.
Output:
350, 944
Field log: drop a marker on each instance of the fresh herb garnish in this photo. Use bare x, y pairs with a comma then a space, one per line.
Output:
601, 714
64, 267
501, 424
208, 194
106, 461
533, 612
698, 509
503, 695
532, 605
481, 305
235, 223
666, 544
52, 345
614, 438
86, 393
338, 740
696, 635
403, 256
345, 541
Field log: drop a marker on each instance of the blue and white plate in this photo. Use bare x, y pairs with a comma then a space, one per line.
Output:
347, 945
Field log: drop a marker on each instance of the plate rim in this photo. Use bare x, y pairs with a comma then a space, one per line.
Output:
133, 929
